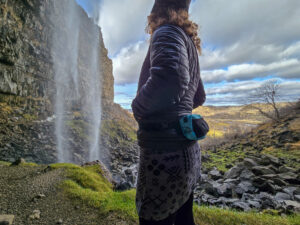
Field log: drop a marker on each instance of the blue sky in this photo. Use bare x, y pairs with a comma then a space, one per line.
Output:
245, 44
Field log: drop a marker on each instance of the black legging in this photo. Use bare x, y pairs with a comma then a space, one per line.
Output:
183, 216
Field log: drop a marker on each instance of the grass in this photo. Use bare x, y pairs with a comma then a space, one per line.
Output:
119, 128
290, 156
87, 185
222, 157
215, 216
2, 163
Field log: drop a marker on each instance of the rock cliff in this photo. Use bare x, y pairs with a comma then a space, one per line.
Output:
26, 71
27, 86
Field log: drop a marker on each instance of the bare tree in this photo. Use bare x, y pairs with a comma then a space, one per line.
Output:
267, 93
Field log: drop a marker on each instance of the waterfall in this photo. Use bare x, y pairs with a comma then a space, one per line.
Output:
77, 78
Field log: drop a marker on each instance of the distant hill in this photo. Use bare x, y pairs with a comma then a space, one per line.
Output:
281, 139
230, 119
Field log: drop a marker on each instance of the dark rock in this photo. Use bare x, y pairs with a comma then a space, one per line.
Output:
246, 175
297, 198
249, 163
254, 204
285, 169
267, 201
18, 162
244, 186
279, 182
290, 190
262, 170
289, 177
292, 205
215, 174
269, 159
228, 166
233, 172
241, 206
280, 196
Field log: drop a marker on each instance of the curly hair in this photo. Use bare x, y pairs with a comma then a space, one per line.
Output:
179, 18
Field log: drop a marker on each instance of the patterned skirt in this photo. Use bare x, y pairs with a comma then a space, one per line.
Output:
166, 178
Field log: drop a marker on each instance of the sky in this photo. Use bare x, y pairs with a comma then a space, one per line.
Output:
245, 43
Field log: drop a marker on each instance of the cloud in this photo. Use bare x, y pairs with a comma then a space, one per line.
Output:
242, 41
123, 22
239, 92
263, 21
128, 63
283, 69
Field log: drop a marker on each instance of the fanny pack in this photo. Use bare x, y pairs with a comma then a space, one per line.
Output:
193, 126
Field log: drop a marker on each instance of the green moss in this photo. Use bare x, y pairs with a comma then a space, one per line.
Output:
220, 158
291, 156
79, 127
216, 216
119, 129
88, 185
2, 163
29, 117
29, 164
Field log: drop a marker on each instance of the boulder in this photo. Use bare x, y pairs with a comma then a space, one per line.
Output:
215, 174
249, 162
244, 186
246, 174
241, 206
262, 170
280, 196
290, 190
234, 172
292, 205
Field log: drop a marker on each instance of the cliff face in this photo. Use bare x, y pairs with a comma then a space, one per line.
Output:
28, 85
26, 67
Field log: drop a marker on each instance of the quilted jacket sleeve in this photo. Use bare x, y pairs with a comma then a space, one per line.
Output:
200, 95
169, 73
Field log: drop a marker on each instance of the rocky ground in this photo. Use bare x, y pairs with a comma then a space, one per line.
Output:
32, 195
259, 170
256, 183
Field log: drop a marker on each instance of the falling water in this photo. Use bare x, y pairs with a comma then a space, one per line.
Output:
75, 88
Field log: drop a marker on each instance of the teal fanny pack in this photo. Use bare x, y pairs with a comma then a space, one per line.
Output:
193, 127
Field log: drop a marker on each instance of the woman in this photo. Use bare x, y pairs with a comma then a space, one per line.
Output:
169, 87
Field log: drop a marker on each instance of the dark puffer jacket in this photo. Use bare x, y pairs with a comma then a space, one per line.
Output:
169, 85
